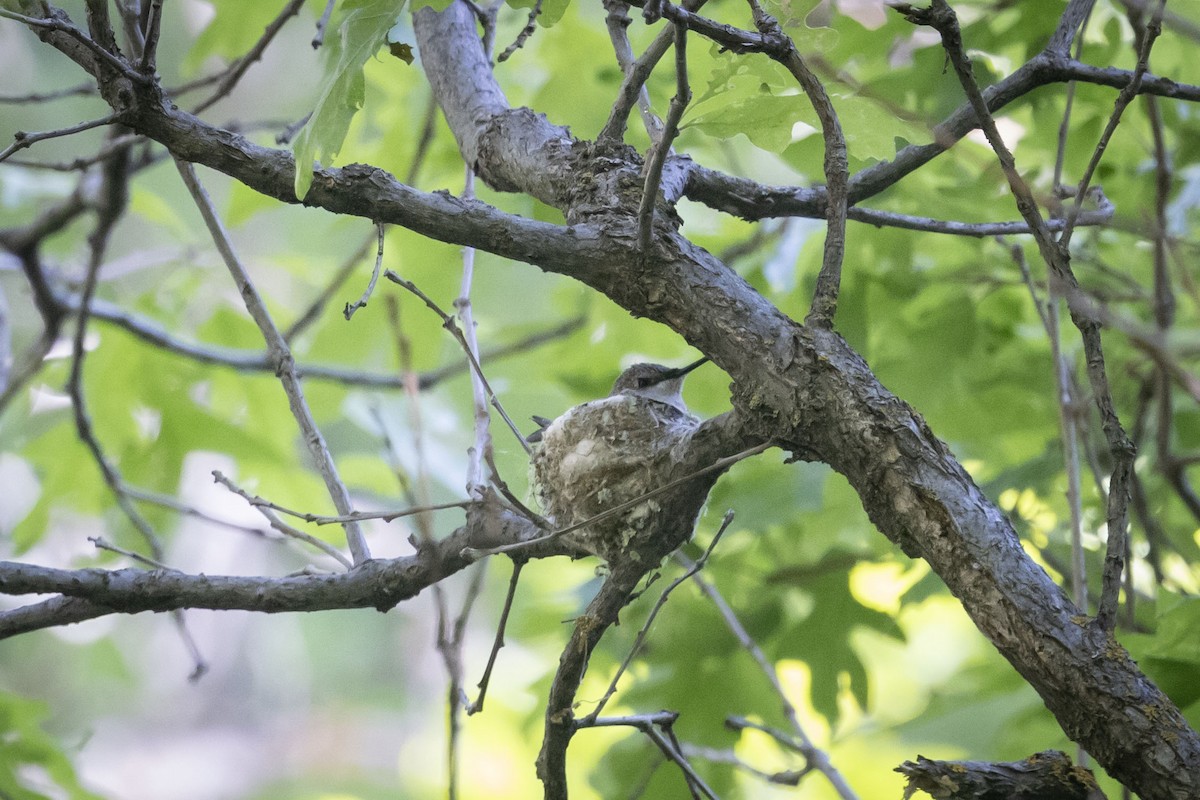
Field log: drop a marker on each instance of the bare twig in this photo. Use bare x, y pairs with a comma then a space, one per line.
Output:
790, 777
450, 645
63, 25
815, 757
836, 166
658, 728
237, 69
481, 451
268, 509
313, 312
498, 642
323, 23
152, 32
103, 544
659, 151
281, 356
1068, 412
524, 35
82, 90
449, 324
640, 639
319, 519
23, 139
941, 17
1124, 98
361, 302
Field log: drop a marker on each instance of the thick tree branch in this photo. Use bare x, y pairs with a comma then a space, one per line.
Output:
379, 584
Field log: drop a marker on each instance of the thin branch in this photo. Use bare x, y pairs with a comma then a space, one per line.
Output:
481, 451
63, 25
323, 23
662, 148
281, 356
238, 68
640, 639
1068, 413
361, 302
633, 87
103, 544
152, 30
524, 35
82, 90
450, 645
313, 312
498, 642
1124, 98
168, 502
449, 324
24, 139
941, 17
814, 757
658, 728
268, 510
790, 777
318, 519
836, 166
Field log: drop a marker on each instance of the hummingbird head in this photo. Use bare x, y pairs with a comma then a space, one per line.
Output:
656, 382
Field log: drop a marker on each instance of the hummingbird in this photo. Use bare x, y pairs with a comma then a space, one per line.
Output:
606, 452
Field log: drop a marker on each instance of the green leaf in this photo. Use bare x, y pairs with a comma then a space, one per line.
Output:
363, 31
27, 751
552, 10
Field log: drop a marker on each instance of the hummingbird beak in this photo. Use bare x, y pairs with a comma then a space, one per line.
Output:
679, 372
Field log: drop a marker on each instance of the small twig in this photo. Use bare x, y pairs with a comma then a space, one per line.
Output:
1060, 155
268, 509
636, 72
941, 17
481, 450
524, 35
507, 493
166, 501
836, 166
318, 519
55, 24
323, 23
719, 464
815, 757
281, 356
81, 163
658, 727
498, 642
103, 544
313, 312
450, 646
1124, 98
24, 139
424, 140
449, 324
286, 135
1067, 414
361, 302
238, 68
82, 90
640, 639
153, 29
790, 777
662, 148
